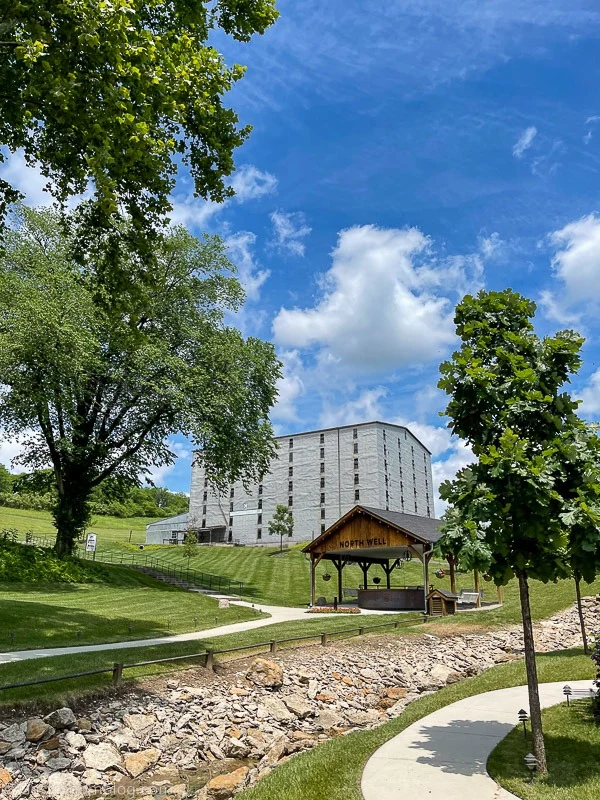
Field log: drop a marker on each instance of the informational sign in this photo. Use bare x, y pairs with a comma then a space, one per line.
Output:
90, 543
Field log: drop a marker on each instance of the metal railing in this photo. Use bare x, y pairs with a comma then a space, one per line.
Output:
204, 580
208, 656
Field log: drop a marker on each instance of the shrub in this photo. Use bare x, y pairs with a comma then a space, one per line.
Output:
20, 563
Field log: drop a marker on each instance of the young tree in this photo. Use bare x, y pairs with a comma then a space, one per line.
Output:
462, 543
190, 546
281, 523
506, 401
114, 94
99, 376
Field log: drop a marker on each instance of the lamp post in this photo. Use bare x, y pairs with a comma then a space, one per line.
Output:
567, 691
523, 717
532, 764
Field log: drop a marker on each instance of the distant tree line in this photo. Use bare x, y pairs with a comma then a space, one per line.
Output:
36, 491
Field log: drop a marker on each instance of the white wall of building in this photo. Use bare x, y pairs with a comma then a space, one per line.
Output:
317, 471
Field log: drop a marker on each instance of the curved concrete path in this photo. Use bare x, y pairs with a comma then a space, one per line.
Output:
277, 614
444, 755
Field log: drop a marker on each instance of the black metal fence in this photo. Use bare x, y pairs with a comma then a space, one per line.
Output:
208, 656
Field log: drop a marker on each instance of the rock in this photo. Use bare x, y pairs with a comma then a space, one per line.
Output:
298, 706
238, 691
441, 674
84, 724
61, 718
136, 763
102, 757
5, 777
75, 740
265, 673
223, 603
64, 786
177, 792
224, 786
274, 753
329, 719
124, 739
14, 733
140, 724
21, 789
5, 747
275, 708
37, 729
50, 744
235, 748
396, 692
58, 763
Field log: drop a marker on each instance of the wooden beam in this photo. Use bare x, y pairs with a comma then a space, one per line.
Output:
476, 579
313, 578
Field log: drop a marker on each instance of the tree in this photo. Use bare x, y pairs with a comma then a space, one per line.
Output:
281, 523
98, 377
6, 480
190, 546
115, 94
506, 402
462, 543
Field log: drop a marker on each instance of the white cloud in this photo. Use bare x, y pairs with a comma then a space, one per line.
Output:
444, 469
365, 408
249, 183
240, 246
9, 450
524, 141
27, 179
590, 396
290, 387
576, 264
288, 232
490, 245
383, 303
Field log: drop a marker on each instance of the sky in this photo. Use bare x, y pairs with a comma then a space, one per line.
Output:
404, 154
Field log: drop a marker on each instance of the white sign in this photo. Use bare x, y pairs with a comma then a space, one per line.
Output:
90, 543
244, 513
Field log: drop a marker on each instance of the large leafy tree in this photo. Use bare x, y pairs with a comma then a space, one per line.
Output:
114, 93
507, 401
98, 377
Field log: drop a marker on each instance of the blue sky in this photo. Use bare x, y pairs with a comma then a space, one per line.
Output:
402, 154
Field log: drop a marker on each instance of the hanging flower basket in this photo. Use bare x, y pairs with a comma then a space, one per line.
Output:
440, 573
376, 580
327, 577
487, 576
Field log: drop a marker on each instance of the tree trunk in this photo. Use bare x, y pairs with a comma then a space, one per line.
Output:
535, 711
71, 512
451, 564
580, 611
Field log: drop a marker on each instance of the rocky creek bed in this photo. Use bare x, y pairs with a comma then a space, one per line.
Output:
206, 736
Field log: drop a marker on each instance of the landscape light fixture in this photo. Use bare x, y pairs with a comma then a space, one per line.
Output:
567, 691
523, 717
531, 763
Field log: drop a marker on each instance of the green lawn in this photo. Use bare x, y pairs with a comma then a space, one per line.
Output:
128, 605
333, 770
573, 753
60, 691
285, 579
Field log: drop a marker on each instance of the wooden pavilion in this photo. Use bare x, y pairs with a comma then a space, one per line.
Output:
367, 536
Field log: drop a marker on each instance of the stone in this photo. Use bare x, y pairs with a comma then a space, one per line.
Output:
298, 706
14, 733
177, 792
239, 691
50, 744
274, 753
140, 724
75, 740
136, 763
61, 718
124, 739
396, 692
265, 673
223, 603
224, 786
275, 708
64, 786
58, 763
21, 789
327, 719
84, 724
5, 777
443, 674
5, 747
235, 748
37, 729
102, 757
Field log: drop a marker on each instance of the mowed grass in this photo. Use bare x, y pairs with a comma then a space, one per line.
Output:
284, 579
333, 770
128, 605
257, 639
573, 753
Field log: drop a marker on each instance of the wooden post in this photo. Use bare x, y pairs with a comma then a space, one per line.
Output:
117, 674
313, 587
209, 662
273, 646
500, 595
323, 639
388, 575
451, 564
476, 579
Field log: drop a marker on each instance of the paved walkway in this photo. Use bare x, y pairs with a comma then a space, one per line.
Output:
444, 755
277, 614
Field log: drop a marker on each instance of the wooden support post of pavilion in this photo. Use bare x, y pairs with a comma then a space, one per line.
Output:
314, 560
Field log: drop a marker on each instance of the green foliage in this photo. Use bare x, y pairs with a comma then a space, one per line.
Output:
282, 522
190, 546
506, 401
28, 564
6, 480
112, 93
98, 376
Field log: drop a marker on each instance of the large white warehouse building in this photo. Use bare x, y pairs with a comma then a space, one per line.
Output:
320, 475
